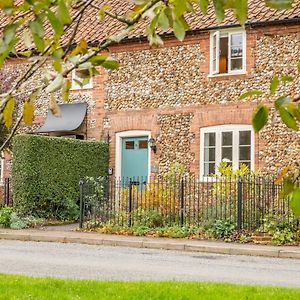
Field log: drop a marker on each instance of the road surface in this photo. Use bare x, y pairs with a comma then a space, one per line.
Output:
118, 263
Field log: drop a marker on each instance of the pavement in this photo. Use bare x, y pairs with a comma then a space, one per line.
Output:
67, 234
78, 261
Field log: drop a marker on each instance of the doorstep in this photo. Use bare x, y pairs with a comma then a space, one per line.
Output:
93, 238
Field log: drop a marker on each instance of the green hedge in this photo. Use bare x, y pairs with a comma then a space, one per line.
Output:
46, 172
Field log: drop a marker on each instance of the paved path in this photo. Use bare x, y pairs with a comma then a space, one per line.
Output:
121, 263
93, 238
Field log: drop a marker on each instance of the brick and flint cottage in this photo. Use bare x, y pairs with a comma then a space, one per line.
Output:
181, 102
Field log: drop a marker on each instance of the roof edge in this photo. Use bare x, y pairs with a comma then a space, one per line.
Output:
196, 31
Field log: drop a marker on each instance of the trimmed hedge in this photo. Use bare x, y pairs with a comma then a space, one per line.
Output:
46, 173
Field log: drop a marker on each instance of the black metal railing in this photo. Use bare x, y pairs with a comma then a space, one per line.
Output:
182, 200
7, 192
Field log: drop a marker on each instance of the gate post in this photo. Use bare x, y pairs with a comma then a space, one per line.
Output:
182, 203
240, 204
81, 198
130, 202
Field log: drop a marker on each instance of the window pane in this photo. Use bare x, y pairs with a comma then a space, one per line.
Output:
237, 39
143, 144
209, 139
245, 138
214, 53
209, 154
209, 169
236, 51
245, 153
237, 64
223, 55
129, 145
247, 163
227, 153
236, 45
226, 138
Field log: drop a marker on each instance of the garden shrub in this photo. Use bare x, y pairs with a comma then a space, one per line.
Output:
281, 231
46, 173
222, 229
5, 214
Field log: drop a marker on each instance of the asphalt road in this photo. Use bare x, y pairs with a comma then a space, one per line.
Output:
114, 263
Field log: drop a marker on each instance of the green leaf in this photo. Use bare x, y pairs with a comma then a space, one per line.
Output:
241, 10
37, 28
294, 111
101, 12
287, 118
110, 64
6, 3
27, 39
250, 94
39, 42
25, 53
65, 91
9, 33
57, 26
219, 10
180, 7
55, 85
274, 85
298, 66
8, 111
295, 201
163, 20
63, 13
179, 30
28, 113
287, 78
260, 117
279, 4
203, 6
98, 60
282, 101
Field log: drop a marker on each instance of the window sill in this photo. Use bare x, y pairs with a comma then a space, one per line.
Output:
81, 89
227, 74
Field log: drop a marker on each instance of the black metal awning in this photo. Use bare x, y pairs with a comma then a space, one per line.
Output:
72, 116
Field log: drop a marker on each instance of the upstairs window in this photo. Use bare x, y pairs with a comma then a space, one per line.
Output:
228, 52
76, 79
231, 143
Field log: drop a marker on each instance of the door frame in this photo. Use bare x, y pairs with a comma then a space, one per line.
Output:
129, 134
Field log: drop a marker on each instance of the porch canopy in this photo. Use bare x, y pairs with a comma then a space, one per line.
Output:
72, 116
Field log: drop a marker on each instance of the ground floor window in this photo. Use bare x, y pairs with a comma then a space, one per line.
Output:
231, 143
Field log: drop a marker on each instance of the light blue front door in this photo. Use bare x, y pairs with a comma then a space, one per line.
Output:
135, 158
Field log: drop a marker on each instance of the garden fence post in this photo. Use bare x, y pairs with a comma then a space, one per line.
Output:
130, 202
81, 198
182, 203
240, 204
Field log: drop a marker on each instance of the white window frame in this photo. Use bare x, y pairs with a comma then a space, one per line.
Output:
218, 34
76, 86
214, 54
235, 129
2, 169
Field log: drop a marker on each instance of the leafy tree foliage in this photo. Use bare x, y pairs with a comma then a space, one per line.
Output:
24, 23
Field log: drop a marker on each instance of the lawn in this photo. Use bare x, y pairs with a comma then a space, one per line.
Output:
20, 287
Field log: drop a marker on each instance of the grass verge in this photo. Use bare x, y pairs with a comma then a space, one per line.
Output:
21, 288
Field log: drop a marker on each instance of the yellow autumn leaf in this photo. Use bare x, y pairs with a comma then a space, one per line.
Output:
54, 107
8, 112
282, 174
28, 112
